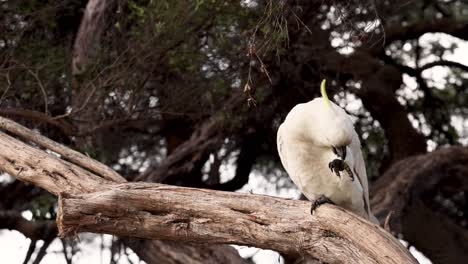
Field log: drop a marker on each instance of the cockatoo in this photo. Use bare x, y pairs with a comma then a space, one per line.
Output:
321, 152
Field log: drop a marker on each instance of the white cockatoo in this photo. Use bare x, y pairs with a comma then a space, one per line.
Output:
321, 152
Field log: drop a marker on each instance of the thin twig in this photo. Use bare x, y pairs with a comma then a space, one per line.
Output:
41, 87
7, 88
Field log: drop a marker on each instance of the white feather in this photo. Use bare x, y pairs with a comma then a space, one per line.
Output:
305, 146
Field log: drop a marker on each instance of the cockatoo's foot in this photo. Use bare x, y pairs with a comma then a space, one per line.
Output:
338, 165
319, 201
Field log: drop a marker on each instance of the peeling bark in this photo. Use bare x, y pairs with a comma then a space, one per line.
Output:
195, 215
157, 211
47, 171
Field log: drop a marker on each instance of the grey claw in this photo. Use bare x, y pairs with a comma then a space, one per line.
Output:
338, 173
338, 165
321, 200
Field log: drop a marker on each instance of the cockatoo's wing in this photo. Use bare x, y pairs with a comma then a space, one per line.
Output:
281, 148
359, 168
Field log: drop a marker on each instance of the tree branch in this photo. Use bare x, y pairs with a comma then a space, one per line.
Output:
40, 117
158, 211
187, 154
47, 171
184, 214
413, 31
379, 83
93, 24
417, 71
174, 252
43, 250
31, 249
69, 154
402, 189
34, 230
444, 63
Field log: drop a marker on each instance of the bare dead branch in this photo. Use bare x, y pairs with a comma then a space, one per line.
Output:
47, 171
68, 154
197, 215
55, 175
157, 211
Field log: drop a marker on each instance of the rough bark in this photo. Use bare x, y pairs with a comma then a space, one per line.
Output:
66, 153
196, 215
157, 211
48, 171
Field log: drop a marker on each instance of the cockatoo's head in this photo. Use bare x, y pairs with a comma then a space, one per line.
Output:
327, 124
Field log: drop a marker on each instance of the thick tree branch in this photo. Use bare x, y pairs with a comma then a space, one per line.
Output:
47, 171
244, 164
402, 189
159, 211
93, 24
66, 153
411, 177
184, 214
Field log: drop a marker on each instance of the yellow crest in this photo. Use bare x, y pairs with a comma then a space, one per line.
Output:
323, 91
